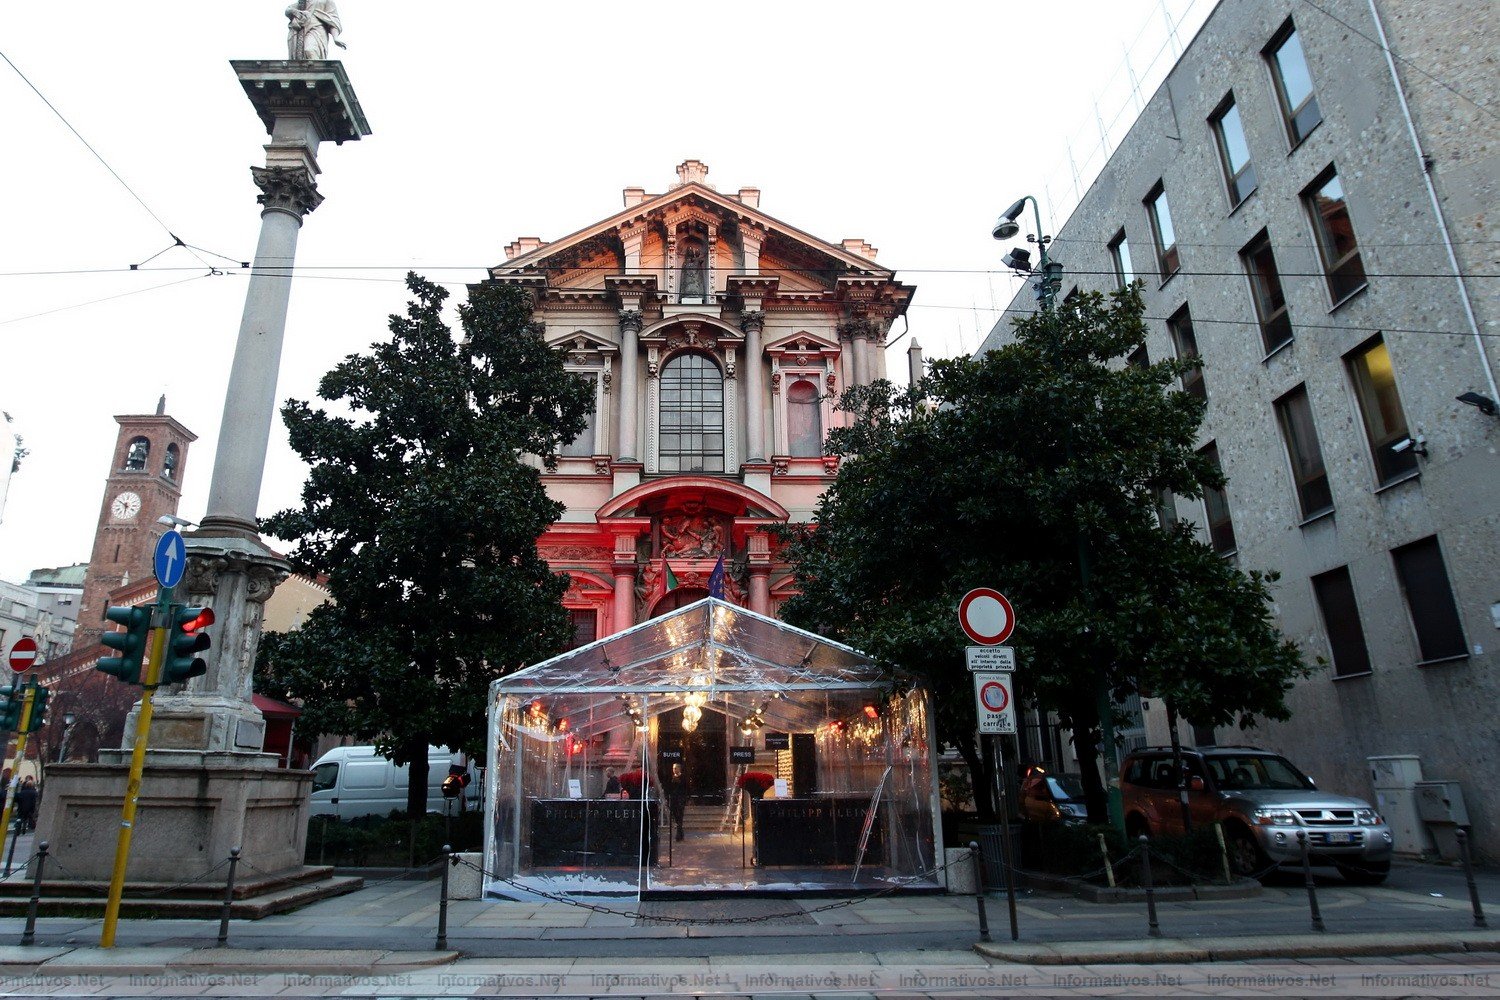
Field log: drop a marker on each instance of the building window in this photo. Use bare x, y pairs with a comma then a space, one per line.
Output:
1167, 261
136, 455
692, 415
1265, 289
1380, 404
1119, 252
585, 627
1180, 327
1299, 105
1216, 507
169, 465
1234, 152
1138, 358
1346, 636
583, 445
1335, 232
804, 419
1294, 413
1429, 598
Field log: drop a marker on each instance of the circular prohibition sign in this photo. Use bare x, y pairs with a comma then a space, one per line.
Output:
994, 696
986, 616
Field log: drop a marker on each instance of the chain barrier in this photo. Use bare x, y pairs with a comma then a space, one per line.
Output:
903, 882
1072, 879
20, 870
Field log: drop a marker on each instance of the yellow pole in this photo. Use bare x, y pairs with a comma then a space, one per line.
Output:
15, 771
133, 787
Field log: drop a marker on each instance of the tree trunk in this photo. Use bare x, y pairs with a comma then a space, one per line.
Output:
416, 778
979, 778
1085, 723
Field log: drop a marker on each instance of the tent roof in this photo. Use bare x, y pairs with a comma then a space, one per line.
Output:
709, 643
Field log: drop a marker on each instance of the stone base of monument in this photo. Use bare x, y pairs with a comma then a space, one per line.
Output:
193, 808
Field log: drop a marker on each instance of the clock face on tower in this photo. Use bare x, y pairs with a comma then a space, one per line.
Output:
125, 506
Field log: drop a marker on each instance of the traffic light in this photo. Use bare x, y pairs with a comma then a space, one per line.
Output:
184, 642
131, 643
38, 708
10, 707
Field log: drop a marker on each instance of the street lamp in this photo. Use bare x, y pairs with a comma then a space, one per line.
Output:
1048, 272
1047, 277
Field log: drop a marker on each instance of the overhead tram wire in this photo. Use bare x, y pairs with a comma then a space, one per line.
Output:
177, 241
197, 275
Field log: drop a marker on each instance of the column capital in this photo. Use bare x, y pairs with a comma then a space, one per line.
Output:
856, 328
287, 189
753, 321
631, 320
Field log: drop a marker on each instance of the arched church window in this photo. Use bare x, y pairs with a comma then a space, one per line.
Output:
804, 419
692, 415
169, 466
136, 455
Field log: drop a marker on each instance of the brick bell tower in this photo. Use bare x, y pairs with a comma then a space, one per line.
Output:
144, 482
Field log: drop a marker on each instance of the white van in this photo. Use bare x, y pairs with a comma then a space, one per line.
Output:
349, 782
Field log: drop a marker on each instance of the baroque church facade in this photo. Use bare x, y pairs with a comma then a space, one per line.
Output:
717, 339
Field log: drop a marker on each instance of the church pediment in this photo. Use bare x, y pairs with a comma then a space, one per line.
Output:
802, 347
581, 347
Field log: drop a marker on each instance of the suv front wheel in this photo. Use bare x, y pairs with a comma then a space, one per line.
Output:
1246, 859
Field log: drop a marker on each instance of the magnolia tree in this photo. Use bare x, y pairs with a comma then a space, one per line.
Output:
1039, 469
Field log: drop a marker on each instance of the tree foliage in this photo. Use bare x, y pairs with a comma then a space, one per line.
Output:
423, 514
1038, 468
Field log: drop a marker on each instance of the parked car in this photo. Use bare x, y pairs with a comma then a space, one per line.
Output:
1049, 797
1263, 803
350, 782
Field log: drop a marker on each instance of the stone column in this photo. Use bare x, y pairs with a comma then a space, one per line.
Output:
751, 237
630, 361
753, 323
759, 558
302, 104
624, 597
863, 375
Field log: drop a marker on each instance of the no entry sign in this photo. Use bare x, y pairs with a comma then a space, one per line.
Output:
986, 616
23, 654
994, 703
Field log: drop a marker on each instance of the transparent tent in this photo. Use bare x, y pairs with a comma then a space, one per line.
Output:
710, 749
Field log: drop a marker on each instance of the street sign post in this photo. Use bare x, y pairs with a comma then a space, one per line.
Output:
170, 559
995, 704
986, 616
23, 654
1001, 658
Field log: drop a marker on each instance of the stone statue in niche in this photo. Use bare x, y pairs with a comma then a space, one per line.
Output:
692, 273
312, 26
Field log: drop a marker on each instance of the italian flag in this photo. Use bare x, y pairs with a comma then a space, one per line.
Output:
666, 582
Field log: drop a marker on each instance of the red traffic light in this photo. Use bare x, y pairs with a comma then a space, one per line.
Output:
204, 620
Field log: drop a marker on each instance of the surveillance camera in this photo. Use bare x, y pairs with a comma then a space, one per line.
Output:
1400, 446
1018, 259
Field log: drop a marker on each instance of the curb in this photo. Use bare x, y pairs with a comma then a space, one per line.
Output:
169, 961
1226, 949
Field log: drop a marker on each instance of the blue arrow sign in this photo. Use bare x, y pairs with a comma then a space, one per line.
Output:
170, 559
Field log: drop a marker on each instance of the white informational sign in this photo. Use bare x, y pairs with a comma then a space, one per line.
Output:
575, 788
782, 791
995, 704
990, 657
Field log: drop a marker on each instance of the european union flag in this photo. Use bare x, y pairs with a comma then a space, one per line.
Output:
716, 580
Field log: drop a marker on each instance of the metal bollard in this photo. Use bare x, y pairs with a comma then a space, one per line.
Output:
442, 937
1463, 852
1223, 852
234, 860
1307, 879
10, 855
1154, 929
978, 859
28, 936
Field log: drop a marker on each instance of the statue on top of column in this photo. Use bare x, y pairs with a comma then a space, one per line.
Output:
312, 25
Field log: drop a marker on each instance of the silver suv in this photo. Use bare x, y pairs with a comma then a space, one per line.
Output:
1263, 802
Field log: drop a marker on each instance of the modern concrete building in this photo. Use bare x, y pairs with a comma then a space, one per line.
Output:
1308, 201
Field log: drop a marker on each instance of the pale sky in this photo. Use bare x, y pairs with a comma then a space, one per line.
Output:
911, 125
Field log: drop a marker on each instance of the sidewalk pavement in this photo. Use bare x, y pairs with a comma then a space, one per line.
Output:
389, 929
